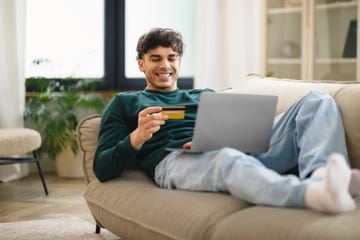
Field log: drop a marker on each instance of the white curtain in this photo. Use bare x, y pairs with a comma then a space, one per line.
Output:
12, 63
228, 41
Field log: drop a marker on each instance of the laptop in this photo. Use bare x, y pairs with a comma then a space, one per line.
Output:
240, 121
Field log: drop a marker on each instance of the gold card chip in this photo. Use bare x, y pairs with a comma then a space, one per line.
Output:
174, 112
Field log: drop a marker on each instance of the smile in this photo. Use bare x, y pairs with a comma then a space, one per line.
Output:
164, 75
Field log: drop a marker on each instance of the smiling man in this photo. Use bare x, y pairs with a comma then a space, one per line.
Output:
134, 130
132, 125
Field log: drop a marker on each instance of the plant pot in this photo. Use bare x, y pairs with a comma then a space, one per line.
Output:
69, 165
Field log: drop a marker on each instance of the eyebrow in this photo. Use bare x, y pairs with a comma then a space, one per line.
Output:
158, 55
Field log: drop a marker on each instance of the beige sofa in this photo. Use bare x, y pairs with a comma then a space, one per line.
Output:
133, 207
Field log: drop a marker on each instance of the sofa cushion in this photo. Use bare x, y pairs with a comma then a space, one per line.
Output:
134, 208
283, 223
346, 95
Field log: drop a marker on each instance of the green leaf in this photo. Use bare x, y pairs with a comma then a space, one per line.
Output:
55, 114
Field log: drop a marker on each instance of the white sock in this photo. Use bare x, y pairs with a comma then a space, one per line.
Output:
331, 195
354, 187
319, 172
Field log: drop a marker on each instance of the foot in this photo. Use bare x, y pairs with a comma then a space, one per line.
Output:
319, 173
354, 187
331, 195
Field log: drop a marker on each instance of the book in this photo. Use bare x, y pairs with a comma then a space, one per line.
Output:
350, 43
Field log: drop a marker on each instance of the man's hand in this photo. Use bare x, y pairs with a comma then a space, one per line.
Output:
187, 145
149, 121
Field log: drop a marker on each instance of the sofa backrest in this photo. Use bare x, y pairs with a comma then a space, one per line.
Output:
346, 95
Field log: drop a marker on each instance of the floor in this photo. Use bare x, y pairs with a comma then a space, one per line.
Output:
25, 199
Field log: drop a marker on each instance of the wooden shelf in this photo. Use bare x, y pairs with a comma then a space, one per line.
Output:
336, 5
335, 61
277, 11
287, 61
320, 29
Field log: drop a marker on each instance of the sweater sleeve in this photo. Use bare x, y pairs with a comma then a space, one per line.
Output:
114, 151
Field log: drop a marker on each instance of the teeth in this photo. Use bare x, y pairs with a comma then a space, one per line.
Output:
164, 74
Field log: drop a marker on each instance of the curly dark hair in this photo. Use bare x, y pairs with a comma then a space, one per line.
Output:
156, 37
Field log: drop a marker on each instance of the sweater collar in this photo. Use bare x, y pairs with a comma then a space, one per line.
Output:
172, 93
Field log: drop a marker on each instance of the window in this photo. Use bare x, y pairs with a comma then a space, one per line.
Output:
97, 38
65, 38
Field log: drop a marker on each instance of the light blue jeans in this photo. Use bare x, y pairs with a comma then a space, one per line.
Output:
304, 136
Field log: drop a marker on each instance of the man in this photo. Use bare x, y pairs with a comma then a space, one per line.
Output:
133, 128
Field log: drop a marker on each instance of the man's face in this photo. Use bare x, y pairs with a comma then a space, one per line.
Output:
161, 67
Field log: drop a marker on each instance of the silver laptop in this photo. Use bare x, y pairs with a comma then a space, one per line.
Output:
241, 121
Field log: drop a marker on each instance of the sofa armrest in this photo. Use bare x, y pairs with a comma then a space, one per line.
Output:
87, 135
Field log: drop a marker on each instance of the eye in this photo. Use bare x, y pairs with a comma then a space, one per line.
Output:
172, 57
155, 59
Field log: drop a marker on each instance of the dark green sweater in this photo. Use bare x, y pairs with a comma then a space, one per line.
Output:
114, 152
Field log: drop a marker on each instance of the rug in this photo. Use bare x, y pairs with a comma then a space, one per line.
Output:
64, 228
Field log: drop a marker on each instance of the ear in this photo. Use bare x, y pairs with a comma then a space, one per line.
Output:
141, 65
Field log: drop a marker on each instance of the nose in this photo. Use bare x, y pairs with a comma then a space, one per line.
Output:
165, 63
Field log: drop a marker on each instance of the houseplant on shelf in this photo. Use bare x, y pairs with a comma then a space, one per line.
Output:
54, 110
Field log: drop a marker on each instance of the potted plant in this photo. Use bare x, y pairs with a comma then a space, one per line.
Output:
54, 110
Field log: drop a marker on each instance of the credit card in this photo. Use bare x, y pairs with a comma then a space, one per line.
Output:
174, 112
